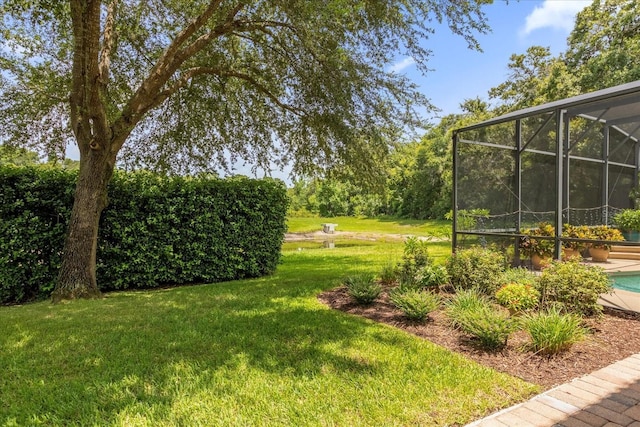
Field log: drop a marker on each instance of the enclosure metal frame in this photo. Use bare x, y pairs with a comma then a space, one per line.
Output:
612, 107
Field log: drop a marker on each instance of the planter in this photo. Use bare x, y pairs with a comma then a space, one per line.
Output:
631, 236
570, 253
599, 254
539, 262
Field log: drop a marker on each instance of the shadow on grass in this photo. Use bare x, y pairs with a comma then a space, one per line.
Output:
230, 351
93, 360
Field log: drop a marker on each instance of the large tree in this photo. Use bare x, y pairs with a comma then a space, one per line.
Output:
181, 86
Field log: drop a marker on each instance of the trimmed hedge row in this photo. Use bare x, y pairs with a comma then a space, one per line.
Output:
156, 230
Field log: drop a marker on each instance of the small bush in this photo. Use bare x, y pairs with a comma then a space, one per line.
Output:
388, 275
363, 288
432, 277
476, 267
552, 332
518, 297
490, 325
573, 287
518, 275
415, 257
415, 304
464, 300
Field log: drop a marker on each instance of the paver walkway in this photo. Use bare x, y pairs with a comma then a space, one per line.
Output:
608, 397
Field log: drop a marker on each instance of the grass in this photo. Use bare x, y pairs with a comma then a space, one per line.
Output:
383, 225
553, 331
252, 352
366, 252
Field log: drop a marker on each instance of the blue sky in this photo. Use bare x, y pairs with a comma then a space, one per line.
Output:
459, 73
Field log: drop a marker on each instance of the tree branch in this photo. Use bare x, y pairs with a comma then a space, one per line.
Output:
198, 71
108, 41
167, 58
227, 26
148, 94
86, 37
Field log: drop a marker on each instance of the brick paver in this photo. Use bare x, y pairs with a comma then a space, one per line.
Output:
609, 397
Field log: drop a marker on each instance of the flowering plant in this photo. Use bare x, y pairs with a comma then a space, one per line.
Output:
576, 232
542, 247
604, 232
518, 297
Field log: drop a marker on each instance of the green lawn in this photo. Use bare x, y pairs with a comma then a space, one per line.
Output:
253, 352
388, 225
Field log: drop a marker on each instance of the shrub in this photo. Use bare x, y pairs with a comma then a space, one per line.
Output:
489, 324
604, 232
552, 332
415, 256
575, 232
574, 287
463, 300
432, 276
363, 288
542, 247
628, 220
415, 304
518, 297
518, 275
155, 231
476, 267
388, 275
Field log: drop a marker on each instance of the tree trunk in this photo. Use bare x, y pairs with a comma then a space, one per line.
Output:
77, 276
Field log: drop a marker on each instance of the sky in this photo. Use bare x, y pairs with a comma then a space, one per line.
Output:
459, 73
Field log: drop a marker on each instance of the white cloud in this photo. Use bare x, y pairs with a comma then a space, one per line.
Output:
557, 14
399, 66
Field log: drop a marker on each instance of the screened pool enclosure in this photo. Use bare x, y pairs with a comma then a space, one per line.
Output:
573, 161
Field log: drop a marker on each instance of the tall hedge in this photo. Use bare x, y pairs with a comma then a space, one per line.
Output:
156, 230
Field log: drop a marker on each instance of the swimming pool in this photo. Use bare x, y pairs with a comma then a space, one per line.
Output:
627, 282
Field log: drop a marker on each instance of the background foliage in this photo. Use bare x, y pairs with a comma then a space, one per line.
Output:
155, 231
600, 53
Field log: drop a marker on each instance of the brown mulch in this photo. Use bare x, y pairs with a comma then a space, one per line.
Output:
614, 336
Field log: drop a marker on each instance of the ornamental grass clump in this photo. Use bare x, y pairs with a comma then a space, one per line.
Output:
363, 288
490, 325
552, 331
388, 274
414, 304
518, 297
463, 300
472, 312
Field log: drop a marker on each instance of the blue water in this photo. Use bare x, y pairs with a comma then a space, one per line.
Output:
627, 282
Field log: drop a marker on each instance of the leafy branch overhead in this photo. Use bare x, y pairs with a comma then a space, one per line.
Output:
198, 81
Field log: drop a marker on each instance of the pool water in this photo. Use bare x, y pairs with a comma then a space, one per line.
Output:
627, 282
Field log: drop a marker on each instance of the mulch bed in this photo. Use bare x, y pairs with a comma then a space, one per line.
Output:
614, 336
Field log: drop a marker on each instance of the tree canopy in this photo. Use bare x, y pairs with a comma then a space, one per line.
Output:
190, 85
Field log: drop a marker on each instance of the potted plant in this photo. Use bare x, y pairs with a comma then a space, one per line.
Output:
628, 221
572, 249
600, 251
539, 250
